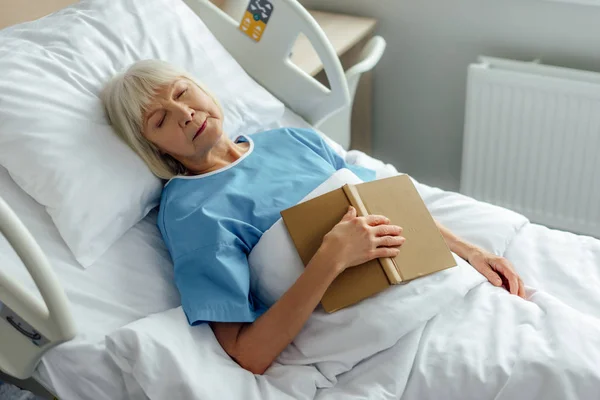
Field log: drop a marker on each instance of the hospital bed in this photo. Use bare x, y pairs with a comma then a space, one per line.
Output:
76, 310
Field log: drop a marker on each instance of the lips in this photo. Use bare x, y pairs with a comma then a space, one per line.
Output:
201, 129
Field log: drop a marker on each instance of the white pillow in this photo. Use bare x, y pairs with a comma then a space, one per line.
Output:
54, 137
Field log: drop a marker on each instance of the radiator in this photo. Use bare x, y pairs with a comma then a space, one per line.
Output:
532, 142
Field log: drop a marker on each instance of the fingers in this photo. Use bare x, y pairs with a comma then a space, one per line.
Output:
351, 213
492, 276
388, 235
510, 275
389, 241
374, 220
387, 230
371, 220
383, 252
515, 284
522, 293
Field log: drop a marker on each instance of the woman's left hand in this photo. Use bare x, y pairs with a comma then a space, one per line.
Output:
498, 270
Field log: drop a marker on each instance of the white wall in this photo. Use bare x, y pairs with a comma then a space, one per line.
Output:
420, 82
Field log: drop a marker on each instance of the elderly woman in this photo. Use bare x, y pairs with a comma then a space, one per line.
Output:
223, 194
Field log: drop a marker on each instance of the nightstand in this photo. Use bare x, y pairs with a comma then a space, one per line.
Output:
348, 35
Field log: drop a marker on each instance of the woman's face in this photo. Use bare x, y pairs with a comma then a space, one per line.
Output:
183, 121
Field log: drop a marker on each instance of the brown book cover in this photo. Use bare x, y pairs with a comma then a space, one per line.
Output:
424, 252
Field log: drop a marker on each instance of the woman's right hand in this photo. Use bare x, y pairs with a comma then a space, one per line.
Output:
356, 240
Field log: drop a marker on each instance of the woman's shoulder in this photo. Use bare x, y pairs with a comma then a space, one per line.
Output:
184, 189
292, 134
179, 196
286, 131
182, 195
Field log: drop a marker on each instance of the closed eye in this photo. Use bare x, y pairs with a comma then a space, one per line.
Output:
182, 93
161, 120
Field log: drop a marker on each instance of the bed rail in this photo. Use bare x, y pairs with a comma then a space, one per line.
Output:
30, 325
268, 61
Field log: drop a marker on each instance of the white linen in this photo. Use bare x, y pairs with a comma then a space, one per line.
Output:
334, 343
496, 346
121, 289
148, 350
54, 137
491, 345
329, 343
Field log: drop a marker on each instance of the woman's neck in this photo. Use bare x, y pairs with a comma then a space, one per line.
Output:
224, 153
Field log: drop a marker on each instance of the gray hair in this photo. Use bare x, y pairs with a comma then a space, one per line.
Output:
126, 98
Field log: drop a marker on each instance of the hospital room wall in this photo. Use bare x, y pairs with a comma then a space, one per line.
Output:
419, 91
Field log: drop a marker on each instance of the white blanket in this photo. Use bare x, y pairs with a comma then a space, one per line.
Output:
491, 345
451, 335
497, 346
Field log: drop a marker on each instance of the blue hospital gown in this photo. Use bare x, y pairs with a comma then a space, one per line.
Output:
211, 222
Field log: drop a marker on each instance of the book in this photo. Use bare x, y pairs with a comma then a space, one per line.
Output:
424, 252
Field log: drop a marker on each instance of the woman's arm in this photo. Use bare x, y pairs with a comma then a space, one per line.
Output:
353, 241
462, 248
254, 346
498, 270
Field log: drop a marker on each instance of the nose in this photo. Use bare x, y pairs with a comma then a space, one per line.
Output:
186, 115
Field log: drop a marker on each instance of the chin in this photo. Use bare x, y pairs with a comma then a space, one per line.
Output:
214, 136
218, 134
218, 130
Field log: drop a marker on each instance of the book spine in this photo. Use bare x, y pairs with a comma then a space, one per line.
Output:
387, 264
